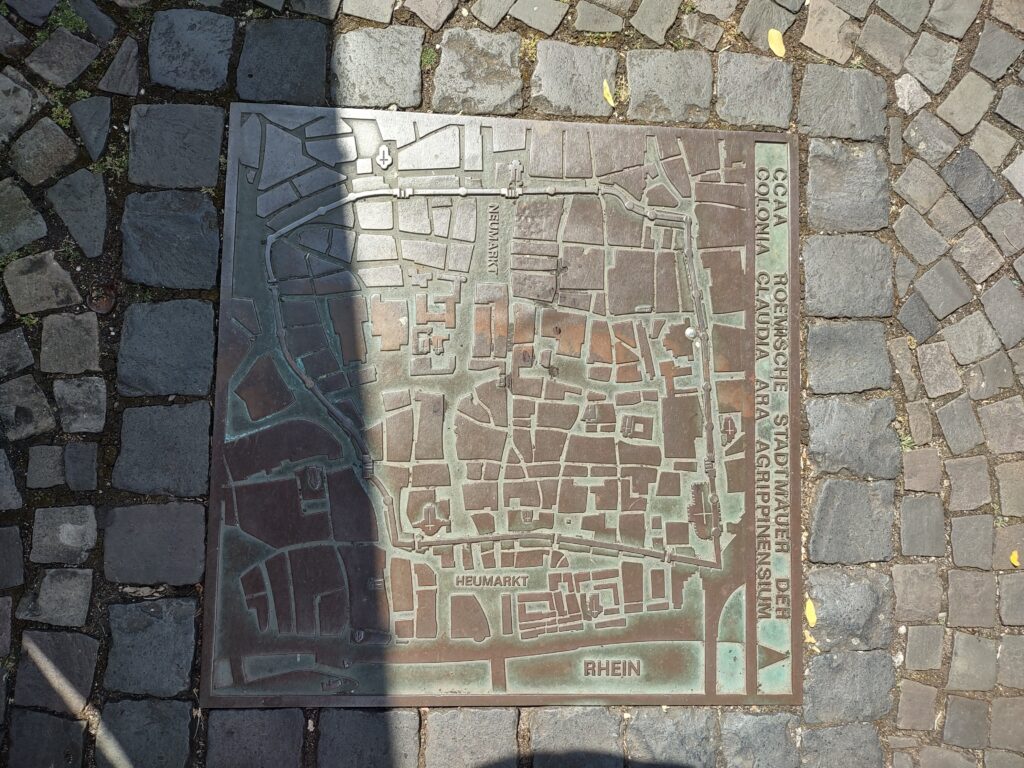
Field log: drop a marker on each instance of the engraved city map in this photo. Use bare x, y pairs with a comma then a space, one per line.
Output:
507, 412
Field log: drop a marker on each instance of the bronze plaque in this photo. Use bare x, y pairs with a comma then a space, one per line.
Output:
506, 414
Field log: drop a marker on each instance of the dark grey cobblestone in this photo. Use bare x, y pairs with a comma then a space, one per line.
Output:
155, 544
270, 738
848, 686
166, 349
152, 646
679, 734
750, 741
371, 738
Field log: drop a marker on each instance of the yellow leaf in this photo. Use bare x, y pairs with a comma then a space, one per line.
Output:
809, 638
775, 43
1015, 559
810, 613
608, 95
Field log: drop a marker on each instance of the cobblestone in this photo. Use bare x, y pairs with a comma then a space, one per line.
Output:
164, 449
973, 667
284, 60
122, 76
854, 435
166, 348
933, 141
847, 276
155, 544
20, 222
40, 739
972, 181
189, 49
848, 187
453, 736
918, 590
72, 655
376, 739
61, 598
151, 647
854, 608
657, 94
917, 706
971, 338
972, 536
63, 535
42, 152
61, 58
81, 202
849, 686
972, 599
959, 425
478, 73
680, 734
847, 357
749, 741
568, 79
269, 738
358, 58
147, 731
845, 104
924, 647
922, 526
175, 145
754, 90
70, 343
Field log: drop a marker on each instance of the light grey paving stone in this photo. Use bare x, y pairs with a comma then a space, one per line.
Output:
594, 18
997, 50
931, 61
70, 343
967, 103
949, 216
922, 526
284, 60
917, 708
653, 18
1011, 105
856, 8
990, 377
1014, 173
918, 591
151, 647
189, 49
943, 289
1009, 12
560, 737
45, 466
920, 417
750, 740
63, 535
847, 276
906, 272
656, 735
848, 187
920, 186
971, 338
972, 599
166, 349
374, 738
1005, 223
1011, 599
568, 79
910, 94
694, 27
885, 43
917, 318
917, 236
997, 758
852, 522
479, 73
35, 12
81, 403
361, 55
433, 13
830, 31
903, 362
37, 283
754, 90
15, 354
953, 17
909, 13
973, 667
378, 10
11, 40
542, 15
1003, 425
61, 599
959, 425
924, 647
38, 739
858, 742
81, 202
845, 357
61, 58
1007, 715
848, 686
896, 140
122, 76
490, 12
972, 536
759, 16
938, 370
24, 410
658, 94
18, 104
187, 219
12, 570
175, 145
619, 7
154, 544
992, 144
146, 731
922, 470
453, 736
164, 450
933, 141
101, 26
939, 757
977, 255
842, 103
325, 9
42, 152
10, 498
80, 463
720, 9
856, 435
70, 653
1011, 489
854, 608
20, 222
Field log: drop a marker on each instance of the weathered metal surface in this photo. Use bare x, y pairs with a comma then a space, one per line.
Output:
506, 413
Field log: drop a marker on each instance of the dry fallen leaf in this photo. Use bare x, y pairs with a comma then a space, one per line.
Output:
608, 94
775, 43
810, 613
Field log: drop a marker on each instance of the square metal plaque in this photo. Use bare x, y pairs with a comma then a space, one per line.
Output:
507, 413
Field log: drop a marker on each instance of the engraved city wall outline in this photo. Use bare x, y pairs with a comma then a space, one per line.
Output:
503, 413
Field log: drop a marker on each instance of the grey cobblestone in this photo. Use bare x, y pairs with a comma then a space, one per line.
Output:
972, 538
850, 686
688, 734
568, 79
657, 94
269, 738
453, 736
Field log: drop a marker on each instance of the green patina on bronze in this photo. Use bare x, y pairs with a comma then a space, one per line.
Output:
506, 413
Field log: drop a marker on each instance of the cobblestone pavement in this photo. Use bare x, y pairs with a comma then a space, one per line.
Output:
910, 115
